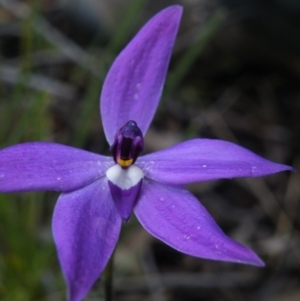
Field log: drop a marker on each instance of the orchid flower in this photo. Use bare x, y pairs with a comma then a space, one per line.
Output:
99, 192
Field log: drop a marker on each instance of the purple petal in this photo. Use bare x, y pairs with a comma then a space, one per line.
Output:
203, 160
173, 215
134, 83
86, 228
49, 166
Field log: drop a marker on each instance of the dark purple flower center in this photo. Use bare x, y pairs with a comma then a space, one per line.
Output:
128, 144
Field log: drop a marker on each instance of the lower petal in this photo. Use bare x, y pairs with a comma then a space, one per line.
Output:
86, 227
175, 216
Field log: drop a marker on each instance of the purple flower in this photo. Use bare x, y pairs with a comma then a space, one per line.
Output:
98, 192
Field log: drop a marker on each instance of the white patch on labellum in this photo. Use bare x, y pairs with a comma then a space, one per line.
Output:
124, 178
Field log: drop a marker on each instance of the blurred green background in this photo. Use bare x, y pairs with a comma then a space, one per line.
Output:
234, 75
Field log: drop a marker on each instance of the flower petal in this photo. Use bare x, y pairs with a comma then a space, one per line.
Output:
203, 160
173, 215
49, 166
86, 227
134, 83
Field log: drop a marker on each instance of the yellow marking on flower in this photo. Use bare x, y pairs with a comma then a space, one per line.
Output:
125, 163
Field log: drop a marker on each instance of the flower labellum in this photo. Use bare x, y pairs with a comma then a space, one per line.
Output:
98, 192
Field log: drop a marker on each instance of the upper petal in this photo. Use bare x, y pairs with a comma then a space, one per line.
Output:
203, 160
49, 166
176, 217
86, 227
134, 83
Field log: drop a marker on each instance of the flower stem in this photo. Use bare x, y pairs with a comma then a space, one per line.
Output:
108, 280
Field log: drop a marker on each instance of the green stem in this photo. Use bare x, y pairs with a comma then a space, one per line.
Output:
108, 279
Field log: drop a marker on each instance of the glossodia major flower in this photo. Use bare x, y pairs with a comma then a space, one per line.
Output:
98, 192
